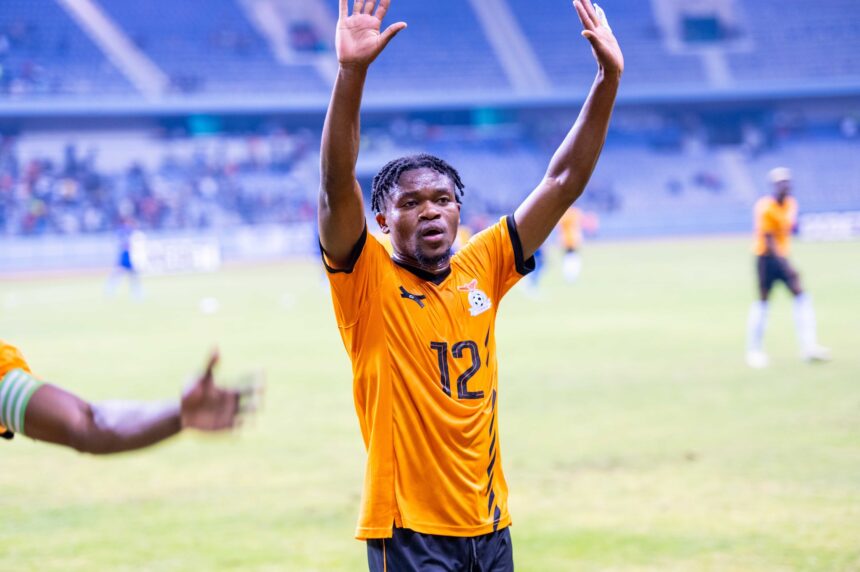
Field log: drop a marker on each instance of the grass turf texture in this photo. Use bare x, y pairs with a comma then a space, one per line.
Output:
634, 437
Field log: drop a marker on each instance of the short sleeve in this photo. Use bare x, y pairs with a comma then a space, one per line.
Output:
496, 253
353, 285
10, 360
765, 222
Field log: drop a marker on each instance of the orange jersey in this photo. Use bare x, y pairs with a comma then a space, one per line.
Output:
423, 354
10, 358
385, 241
571, 228
777, 220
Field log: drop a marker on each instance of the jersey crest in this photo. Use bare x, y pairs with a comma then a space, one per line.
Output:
479, 302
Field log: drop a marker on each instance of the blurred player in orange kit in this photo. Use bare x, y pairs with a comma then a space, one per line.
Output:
775, 220
570, 226
45, 412
419, 324
573, 227
464, 235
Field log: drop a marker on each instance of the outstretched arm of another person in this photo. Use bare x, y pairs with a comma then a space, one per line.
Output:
57, 416
574, 161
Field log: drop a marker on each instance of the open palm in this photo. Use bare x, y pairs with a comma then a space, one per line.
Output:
596, 30
358, 40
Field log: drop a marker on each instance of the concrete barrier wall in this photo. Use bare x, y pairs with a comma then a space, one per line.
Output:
81, 252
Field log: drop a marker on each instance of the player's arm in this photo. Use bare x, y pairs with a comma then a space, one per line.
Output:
341, 209
573, 162
57, 416
767, 225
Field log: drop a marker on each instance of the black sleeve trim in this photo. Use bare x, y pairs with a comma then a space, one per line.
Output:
523, 266
7, 435
353, 256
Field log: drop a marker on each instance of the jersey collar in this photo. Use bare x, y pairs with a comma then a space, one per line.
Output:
423, 274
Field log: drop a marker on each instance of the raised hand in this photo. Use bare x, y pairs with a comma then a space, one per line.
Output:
208, 407
596, 30
358, 39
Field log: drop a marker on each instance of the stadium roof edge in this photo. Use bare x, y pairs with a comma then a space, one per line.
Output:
292, 104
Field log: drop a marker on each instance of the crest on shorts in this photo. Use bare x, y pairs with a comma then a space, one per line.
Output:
479, 302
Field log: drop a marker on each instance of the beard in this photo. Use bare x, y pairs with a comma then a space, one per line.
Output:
435, 261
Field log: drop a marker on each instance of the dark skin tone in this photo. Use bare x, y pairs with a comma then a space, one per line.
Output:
422, 216
57, 416
359, 41
781, 191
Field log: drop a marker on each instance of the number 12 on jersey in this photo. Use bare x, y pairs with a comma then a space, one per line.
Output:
458, 350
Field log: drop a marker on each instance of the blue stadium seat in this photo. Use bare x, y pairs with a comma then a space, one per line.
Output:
43, 53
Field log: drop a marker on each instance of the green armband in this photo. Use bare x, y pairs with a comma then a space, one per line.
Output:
16, 389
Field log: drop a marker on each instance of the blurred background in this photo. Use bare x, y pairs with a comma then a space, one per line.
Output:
186, 135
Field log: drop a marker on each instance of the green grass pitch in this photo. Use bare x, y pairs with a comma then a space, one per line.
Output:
634, 437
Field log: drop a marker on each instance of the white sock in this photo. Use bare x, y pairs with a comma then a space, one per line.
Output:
112, 283
571, 266
755, 326
804, 322
136, 289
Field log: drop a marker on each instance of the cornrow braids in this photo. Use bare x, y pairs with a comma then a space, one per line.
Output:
388, 176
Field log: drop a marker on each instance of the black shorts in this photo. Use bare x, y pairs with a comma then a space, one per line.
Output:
771, 269
410, 551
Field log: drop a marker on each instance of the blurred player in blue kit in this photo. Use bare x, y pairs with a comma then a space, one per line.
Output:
125, 263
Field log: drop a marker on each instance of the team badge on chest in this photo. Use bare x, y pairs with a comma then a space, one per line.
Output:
479, 302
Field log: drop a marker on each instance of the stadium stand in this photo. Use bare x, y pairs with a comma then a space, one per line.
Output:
218, 53
186, 186
221, 181
552, 30
649, 171
824, 169
445, 51
44, 54
791, 46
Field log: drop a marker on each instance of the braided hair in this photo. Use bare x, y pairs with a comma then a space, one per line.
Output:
387, 177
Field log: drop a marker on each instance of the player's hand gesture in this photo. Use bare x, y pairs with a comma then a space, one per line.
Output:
596, 30
208, 407
358, 39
